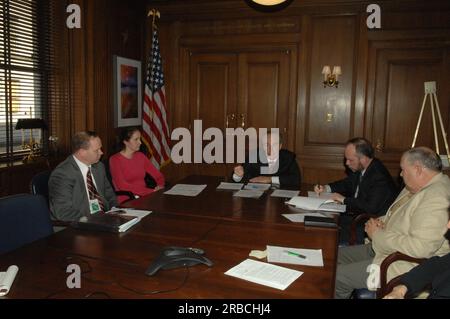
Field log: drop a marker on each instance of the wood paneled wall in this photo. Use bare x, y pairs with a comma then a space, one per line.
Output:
380, 91
222, 57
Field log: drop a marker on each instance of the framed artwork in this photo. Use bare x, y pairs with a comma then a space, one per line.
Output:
127, 92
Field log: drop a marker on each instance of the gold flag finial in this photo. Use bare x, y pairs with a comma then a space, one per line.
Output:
155, 14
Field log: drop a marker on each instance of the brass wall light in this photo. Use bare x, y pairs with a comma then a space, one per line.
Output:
331, 78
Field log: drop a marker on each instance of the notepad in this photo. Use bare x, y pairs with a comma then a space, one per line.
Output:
320, 221
284, 193
257, 186
186, 190
286, 255
264, 274
248, 193
230, 186
310, 203
130, 212
7, 279
300, 218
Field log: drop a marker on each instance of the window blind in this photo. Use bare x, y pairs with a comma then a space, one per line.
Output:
32, 79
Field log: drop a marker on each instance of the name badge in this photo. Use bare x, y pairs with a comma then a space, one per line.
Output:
94, 206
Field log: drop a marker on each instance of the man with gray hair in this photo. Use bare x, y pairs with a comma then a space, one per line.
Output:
79, 186
414, 225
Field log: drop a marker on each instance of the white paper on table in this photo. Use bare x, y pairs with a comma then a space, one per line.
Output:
276, 254
257, 186
264, 274
323, 195
284, 193
248, 193
310, 203
186, 190
7, 279
300, 218
131, 212
230, 186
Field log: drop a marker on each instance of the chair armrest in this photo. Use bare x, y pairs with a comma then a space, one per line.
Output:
361, 218
386, 287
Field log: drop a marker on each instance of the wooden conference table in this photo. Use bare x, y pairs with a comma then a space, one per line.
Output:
227, 228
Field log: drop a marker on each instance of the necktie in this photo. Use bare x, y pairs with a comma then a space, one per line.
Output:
399, 203
93, 193
357, 186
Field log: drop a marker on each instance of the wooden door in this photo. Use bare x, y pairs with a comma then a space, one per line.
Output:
264, 82
398, 98
212, 98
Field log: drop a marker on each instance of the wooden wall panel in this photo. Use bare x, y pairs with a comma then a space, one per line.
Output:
333, 43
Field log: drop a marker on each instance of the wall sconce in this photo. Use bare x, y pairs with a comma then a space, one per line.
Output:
32, 145
268, 5
331, 78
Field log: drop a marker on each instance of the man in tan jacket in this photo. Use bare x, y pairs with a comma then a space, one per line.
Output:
415, 224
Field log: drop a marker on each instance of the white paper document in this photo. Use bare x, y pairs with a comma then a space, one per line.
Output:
132, 212
323, 195
297, 256
230, 186
310, 203
284, 193
257, 186
7, 279
264, 274
300, 218
186, 190
247, 193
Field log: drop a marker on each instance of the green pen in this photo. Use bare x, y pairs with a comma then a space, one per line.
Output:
294, 254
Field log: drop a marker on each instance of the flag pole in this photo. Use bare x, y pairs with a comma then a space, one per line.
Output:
154, 13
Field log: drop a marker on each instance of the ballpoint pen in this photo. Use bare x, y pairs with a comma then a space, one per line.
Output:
294, 254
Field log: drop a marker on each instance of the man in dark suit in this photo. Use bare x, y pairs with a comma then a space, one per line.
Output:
368, 188
79, 186
277, 167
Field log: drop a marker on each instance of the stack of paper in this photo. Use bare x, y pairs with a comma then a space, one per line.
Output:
247, 193
186, 190
310, 203
284, 193
230, 186
264, 274
297, 256
257, 186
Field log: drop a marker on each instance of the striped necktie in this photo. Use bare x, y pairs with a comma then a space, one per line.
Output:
399, 203
93, 193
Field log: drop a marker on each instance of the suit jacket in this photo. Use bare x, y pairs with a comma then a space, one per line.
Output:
416, 228
434, 271
376, 193
288, 170
67, 190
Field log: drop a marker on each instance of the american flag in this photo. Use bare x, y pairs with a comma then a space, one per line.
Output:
154, 124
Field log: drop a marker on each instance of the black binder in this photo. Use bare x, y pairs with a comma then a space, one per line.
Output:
318, 221
111, 222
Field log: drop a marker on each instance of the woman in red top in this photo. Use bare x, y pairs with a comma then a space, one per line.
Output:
129, 166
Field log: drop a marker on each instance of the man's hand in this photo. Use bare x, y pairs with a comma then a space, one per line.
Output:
398, 292
239, 170
338, 198
157, 188
372, 226
262, 179
319, 189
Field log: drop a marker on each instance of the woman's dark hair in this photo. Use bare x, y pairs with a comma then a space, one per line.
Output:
125, 135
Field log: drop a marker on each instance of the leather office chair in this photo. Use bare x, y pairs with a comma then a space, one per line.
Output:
129, 194
24, 218
39, 184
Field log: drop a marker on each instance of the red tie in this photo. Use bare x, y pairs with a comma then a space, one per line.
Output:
93, 194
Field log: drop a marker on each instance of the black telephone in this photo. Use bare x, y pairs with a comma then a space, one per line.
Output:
175, 257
